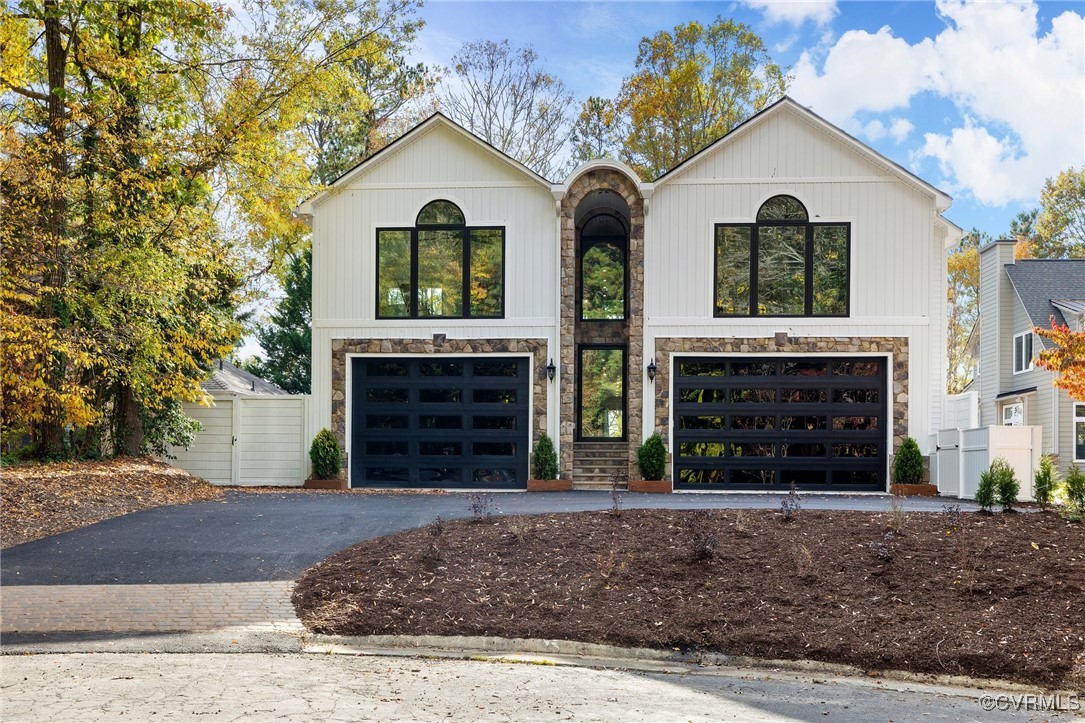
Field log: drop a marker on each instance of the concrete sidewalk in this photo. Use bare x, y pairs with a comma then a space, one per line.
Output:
108, 687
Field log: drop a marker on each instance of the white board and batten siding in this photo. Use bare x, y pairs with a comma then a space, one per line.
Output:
437, 164
251, 440
897, 284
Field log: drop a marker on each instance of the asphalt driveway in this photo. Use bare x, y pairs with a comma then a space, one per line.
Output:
273, 537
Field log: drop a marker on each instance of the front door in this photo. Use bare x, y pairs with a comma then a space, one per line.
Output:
601, 392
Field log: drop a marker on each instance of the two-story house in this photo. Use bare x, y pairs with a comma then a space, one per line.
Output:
1015, 297
774, 306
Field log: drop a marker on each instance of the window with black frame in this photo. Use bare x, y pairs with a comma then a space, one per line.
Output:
782, 265
441, 268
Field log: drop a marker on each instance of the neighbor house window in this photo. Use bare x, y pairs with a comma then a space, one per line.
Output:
1022, 352
441, 268
783, 265
1079, 432
1013, 415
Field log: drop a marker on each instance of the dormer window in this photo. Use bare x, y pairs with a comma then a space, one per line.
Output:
782, 265
1022, 352
441, 268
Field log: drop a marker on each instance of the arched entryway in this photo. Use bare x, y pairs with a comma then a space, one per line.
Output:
601, 326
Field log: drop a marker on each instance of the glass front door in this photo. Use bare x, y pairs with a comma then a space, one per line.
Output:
601, 397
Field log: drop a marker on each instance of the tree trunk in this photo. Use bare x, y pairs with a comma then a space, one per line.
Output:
129, 437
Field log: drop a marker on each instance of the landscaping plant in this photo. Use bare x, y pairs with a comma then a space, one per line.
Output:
987, 490
791, 504
325, 455
1075, 489
1046, 481
481, 505
908, 464
544, 465
1008, 486
652, 458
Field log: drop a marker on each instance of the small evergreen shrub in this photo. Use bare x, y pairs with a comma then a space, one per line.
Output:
1046, 481
1008, 486
545, 463
987, 490
325, 455
1075, 488
652, 458
908, 464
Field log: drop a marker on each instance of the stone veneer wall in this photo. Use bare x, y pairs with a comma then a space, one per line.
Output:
342, 347
895, 345
572, 332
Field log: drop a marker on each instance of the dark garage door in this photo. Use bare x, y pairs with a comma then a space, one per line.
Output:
757, 424
444, 422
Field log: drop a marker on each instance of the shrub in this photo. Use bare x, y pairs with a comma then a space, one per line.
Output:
1046, 480
791, 504
652, 458
481, 506
1008, 486
985, 493
325, 455
1075, 487
545, 463
908, 464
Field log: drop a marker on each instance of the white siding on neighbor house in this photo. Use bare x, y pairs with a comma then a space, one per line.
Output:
211, 454
1065, 409
897, 283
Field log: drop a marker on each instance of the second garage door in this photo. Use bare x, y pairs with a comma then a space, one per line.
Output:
447, 423
765, 423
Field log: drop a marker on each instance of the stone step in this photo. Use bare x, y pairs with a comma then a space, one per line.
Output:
600, 445
599, 455
602, 471
596, 485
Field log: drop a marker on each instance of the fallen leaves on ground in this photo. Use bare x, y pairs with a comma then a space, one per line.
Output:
41, 500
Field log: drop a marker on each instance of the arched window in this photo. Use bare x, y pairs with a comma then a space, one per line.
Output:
440, 268
783, 265
603, 243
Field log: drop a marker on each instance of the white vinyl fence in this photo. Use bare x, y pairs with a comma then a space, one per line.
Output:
961, 411
959, 456
249, 440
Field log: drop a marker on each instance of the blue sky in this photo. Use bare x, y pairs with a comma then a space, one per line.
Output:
983, 99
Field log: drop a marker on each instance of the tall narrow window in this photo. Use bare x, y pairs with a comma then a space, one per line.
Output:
603, 243
782, 265
441, 268
1022, 352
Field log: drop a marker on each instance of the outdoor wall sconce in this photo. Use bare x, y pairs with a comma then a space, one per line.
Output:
652, 370
551, 370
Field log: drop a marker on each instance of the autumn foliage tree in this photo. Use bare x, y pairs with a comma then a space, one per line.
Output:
151, 159
690, 87
1066, 357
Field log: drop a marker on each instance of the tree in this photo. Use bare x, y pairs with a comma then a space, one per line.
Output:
692, 87
596, 131
1060, 223
500, 94
962, 294
1066, 356
287, 338
151, 161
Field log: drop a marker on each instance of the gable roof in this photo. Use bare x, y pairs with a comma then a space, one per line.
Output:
438, 119
789, 104
231, 379
1041, 282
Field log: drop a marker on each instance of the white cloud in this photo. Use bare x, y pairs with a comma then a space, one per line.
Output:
874, 130
900, 128
795, 12
1021, 93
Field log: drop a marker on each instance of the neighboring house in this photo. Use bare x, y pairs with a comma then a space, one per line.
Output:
253, 433
774, 306
1015, 297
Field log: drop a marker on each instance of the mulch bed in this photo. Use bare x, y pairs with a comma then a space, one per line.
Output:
41, 500
998, 596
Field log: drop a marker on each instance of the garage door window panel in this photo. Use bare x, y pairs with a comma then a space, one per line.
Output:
457, 429
806, 421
